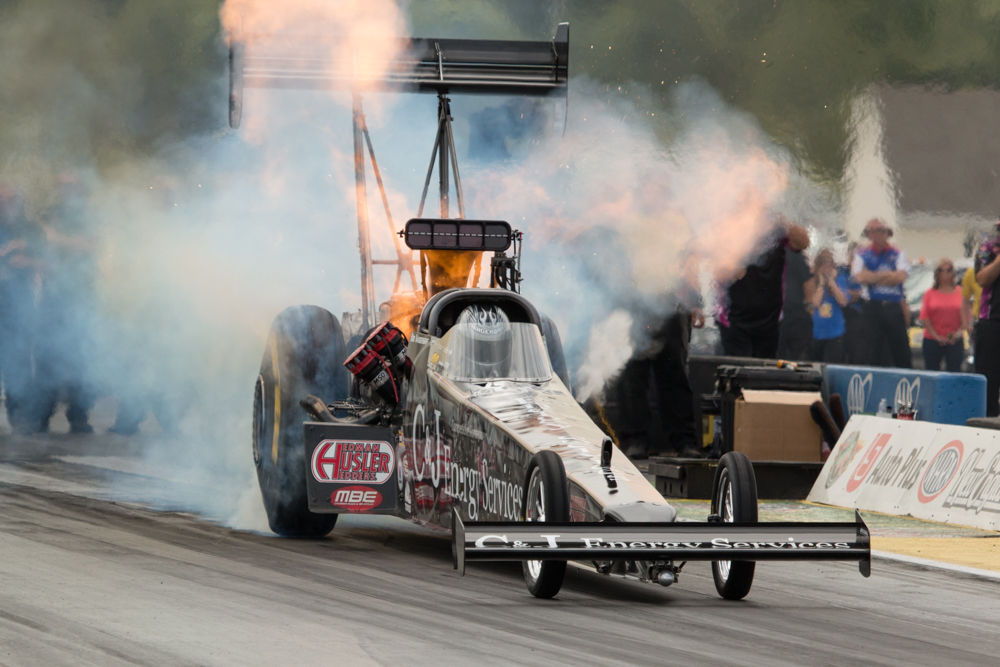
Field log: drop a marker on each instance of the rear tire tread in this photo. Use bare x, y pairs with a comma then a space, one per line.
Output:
309, 350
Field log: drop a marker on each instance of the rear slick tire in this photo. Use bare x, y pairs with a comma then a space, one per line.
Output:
546, 498
734, 500
304, 355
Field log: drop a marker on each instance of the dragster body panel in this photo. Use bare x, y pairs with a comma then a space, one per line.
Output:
466, 446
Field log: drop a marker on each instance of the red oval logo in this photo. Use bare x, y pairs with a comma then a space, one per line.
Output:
353, 461
868, 462
356, 498
940, 471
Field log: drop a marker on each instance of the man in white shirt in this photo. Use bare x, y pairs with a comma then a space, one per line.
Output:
881, 269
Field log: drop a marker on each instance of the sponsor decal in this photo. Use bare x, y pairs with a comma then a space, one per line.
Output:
352, 461
851, 446
356, 498
599, 543
892, 470
468, 431
868, 462
978, 486
424, 493
477, 491
936, 472
940, 472
857, 393
430, 459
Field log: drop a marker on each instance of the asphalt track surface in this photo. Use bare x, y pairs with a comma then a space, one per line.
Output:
88, 581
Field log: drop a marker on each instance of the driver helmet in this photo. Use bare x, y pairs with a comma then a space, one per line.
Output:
485, 340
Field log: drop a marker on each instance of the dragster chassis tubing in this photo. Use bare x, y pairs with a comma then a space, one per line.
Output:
681, 541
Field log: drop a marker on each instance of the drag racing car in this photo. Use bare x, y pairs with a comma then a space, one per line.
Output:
466, 427
450, 405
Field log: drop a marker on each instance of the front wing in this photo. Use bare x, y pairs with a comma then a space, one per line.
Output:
680, 541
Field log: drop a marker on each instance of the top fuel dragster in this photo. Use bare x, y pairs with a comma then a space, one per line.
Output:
451, 407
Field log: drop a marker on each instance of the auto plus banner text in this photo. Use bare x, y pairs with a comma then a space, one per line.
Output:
929, 471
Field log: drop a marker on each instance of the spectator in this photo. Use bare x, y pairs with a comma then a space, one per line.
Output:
750, 309
944, 320
666, 364
971, 292
988, 328
18, 270
854, 333
881, 269
64, 346
796, 326
826, 293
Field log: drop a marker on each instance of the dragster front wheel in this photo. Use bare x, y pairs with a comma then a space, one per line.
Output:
546, 498
734, 500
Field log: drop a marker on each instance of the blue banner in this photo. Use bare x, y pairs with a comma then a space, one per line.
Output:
944, 398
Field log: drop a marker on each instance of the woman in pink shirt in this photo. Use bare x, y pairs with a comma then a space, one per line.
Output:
944, 320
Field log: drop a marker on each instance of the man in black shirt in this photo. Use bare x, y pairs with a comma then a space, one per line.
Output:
988, 327
796, 323
656, 381
750, 311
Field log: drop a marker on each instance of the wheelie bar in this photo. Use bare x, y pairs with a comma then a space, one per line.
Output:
681, 541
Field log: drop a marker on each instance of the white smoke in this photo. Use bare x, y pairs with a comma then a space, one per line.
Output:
633, 204
609, 347
199, 243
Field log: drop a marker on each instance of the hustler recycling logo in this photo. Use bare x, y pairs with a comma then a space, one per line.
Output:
352, 461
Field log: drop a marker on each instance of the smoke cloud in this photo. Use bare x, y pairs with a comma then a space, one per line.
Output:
187, 238
159, 248
618, 216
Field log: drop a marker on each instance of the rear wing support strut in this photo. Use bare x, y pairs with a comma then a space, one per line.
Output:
404, 257
429, 65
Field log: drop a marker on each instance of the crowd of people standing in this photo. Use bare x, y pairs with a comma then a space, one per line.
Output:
46, 290
50, 332
859, 312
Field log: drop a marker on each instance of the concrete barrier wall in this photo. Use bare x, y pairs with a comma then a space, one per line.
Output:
944, 398
928, 471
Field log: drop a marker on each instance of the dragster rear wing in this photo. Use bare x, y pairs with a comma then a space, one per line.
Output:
430, 65
680, 541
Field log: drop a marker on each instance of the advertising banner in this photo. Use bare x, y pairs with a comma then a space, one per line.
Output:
928, 471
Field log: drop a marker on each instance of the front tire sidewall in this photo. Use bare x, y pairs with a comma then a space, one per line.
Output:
734, 477
545, 578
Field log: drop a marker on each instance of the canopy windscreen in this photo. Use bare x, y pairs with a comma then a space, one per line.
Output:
484, 346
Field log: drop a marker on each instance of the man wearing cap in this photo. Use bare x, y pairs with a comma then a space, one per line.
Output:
881, 269
988, 327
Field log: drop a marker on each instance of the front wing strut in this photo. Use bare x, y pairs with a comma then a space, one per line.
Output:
682, 541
